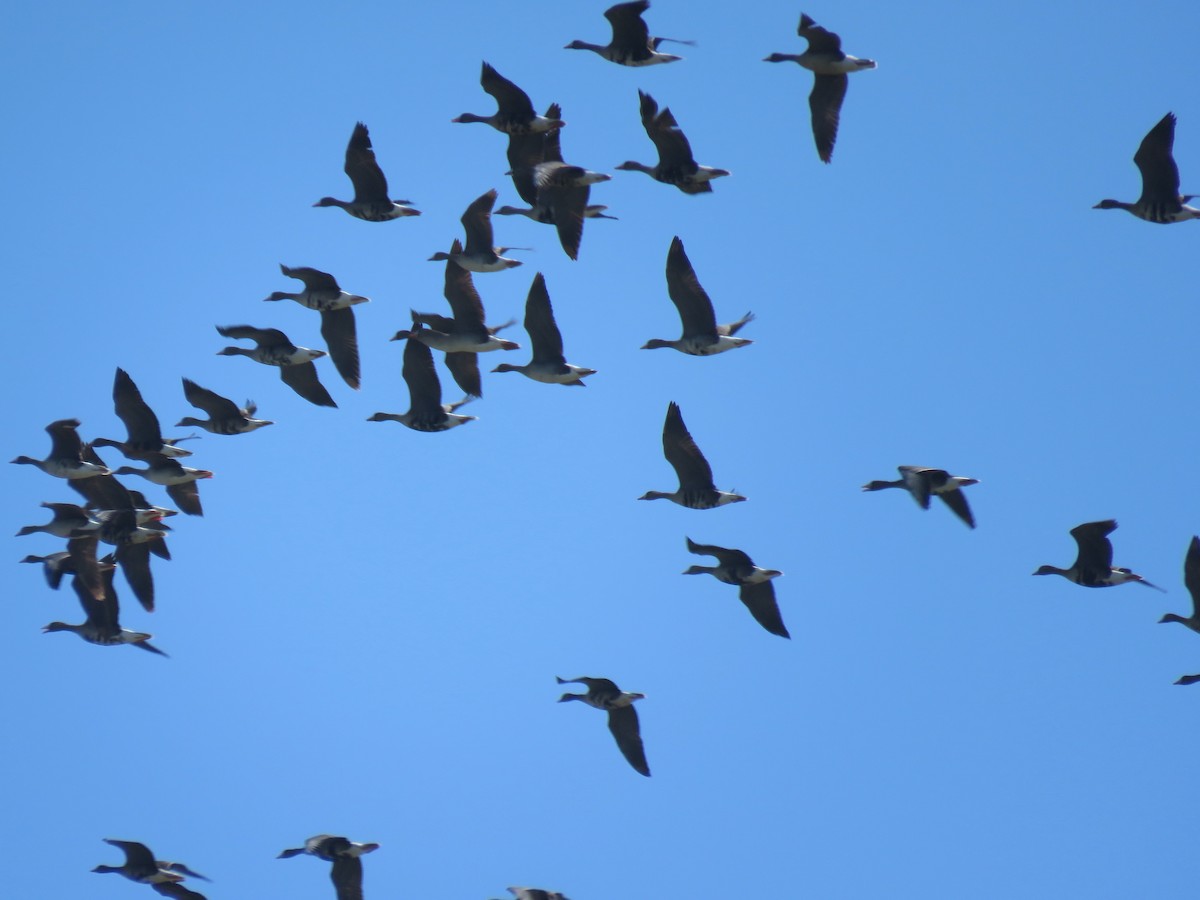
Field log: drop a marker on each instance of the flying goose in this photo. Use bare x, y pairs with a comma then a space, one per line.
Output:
548, 365
702, 336
347, 871
1093, 566
825, 59
515, 113
68, 518
480, 254
557, 193
1191, 578
675, 162
102, 625
54, 566
66, 454
696, 489
141, 424
462, 336
622, 717
1161, 201
322, 293
631, 44
921, 482
425, 409
141, 866
755, 587
273, 348
371, 202
526, 893
224, 416
179, 480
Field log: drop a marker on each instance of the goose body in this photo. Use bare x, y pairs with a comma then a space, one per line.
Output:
454, 341
631, 44
224, 416
702, 336
622, 717
696, 488
273, 348
676, 164
466, 331
1093, 565
102, 626
1160, 201
825, 59
755, 589
179, 480
922, 483
66, 454
1191, 578
548, 365
346, 856
514, 114
425, 411
557, 193
323, 293
67, 520
141, 866
371, 202
479, 254
144, 435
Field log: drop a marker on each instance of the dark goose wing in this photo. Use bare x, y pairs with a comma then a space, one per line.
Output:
695, 307
464, 369
370, 185
514, 103
464, 299
477, 223
304, 381
539, 322
314, 279
424, 388
175, 889
623, 723
684, 455
141, 424
347, 877
65, 442
1160, 175
729, 559
1095, 549
825, 104
917, 482
630, 35
760, 600
1191, 575
957, 501
340, 331
217, 407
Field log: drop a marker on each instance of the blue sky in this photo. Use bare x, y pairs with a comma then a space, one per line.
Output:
365, 627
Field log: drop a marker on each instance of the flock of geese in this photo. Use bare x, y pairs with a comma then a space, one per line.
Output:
558, 194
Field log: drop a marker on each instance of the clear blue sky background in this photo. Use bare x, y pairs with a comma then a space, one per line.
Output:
365, 627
